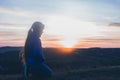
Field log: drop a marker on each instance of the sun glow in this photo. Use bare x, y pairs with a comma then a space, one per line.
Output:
71, 30
68, 43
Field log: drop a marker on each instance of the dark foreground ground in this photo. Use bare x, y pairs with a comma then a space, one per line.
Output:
81, 64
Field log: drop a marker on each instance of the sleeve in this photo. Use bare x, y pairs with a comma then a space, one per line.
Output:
38, 51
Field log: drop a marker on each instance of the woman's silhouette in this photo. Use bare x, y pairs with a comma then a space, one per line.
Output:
33, 56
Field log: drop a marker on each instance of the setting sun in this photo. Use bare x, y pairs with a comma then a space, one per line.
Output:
70, 30
68, 43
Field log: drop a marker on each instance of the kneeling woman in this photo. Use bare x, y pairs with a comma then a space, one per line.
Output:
33, 55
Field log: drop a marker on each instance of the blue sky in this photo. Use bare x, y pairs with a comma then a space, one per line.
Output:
16, 17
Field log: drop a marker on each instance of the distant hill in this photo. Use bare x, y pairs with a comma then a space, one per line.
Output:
79, 59
94, 63
9, 48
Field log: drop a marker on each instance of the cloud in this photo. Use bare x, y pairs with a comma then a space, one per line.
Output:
49, 37
114, 24
18, 12
10, 34
11, 24
102, 40
91, 11
77, 9
12, 11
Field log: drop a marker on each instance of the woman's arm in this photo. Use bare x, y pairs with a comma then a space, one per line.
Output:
38, 51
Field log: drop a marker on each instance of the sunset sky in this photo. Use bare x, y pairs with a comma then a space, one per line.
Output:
68, 23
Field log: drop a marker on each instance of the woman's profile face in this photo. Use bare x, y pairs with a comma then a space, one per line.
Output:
40, 31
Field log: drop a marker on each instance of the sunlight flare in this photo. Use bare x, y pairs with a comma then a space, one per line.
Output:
70, 29
68, 43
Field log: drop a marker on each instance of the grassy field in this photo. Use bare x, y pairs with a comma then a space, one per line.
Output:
81, 64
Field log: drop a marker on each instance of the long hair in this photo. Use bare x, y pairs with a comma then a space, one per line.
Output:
34, 31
